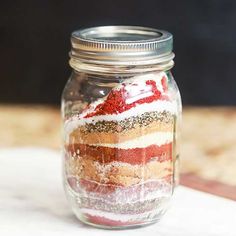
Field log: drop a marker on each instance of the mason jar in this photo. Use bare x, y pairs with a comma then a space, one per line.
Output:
121, 110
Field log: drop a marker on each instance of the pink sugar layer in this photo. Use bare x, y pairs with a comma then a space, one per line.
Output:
99, 220
88, 186
130, 200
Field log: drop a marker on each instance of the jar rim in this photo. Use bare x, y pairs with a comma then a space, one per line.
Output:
122, 45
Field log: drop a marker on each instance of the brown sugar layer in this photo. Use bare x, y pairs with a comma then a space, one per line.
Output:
117, 173
132, 156
79, 136
128, 123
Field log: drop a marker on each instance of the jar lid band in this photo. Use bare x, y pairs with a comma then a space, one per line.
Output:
122, 45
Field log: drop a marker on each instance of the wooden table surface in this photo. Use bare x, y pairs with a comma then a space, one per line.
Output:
208, 148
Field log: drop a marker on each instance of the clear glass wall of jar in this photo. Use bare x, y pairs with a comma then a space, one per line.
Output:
121, 110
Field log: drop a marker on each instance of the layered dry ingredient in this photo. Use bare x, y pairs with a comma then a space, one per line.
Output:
119, 152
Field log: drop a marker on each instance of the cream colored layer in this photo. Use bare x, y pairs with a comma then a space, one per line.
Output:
157, 138
118, 173
78, 136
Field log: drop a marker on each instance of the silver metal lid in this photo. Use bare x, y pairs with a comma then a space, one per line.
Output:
122, 45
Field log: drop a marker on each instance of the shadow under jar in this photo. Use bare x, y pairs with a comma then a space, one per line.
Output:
121, 110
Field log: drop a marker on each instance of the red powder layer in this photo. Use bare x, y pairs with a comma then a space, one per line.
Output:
116, 100
107, 222
132, 156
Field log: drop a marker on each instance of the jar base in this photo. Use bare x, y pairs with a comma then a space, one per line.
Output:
125, 216
105, 223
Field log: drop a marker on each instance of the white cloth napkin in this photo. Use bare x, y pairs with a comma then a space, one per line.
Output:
32, 202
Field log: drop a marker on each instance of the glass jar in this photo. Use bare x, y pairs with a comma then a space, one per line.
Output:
121, 109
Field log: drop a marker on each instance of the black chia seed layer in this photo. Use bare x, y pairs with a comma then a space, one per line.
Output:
129, 123
124, 208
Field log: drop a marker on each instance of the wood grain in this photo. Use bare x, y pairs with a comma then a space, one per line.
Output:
210, 186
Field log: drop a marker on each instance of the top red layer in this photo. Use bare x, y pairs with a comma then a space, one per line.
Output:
116, 99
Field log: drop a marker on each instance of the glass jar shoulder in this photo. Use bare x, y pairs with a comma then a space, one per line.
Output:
83, 89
